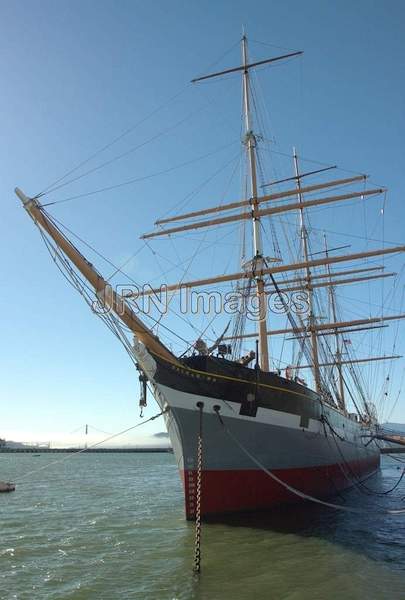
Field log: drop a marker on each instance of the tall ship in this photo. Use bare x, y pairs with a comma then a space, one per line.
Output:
248, 430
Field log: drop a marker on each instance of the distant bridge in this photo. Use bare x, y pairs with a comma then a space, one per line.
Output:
42, 450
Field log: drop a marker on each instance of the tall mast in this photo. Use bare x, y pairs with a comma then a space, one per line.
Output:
258, 261
338, 352
311, 316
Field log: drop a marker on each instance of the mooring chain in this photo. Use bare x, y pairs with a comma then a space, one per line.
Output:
197, 544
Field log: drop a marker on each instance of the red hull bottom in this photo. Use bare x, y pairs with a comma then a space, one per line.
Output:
247, 490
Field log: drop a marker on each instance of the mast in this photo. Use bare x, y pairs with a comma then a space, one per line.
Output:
311, 316
338, 352
258, 261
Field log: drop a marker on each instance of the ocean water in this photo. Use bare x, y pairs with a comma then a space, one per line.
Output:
111, 526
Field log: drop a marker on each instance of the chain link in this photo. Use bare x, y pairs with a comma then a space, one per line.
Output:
197, 544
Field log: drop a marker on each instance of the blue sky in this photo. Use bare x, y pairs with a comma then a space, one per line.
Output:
77, 74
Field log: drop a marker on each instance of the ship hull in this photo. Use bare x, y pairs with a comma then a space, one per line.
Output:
314, 460
282, 428
252, 490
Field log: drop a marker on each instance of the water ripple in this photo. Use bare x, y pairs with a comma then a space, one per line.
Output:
109, 527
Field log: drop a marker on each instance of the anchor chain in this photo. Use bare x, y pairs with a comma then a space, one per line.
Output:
197, 543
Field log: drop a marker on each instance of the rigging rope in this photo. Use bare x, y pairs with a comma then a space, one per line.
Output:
114, 141
119, 156
79, 283
294, 490
355, 479
136, 179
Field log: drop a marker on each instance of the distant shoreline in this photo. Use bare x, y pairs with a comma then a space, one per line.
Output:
82, 450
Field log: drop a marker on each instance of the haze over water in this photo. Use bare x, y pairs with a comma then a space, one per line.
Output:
112, 526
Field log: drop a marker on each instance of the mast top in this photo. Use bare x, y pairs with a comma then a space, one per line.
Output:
246, 67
